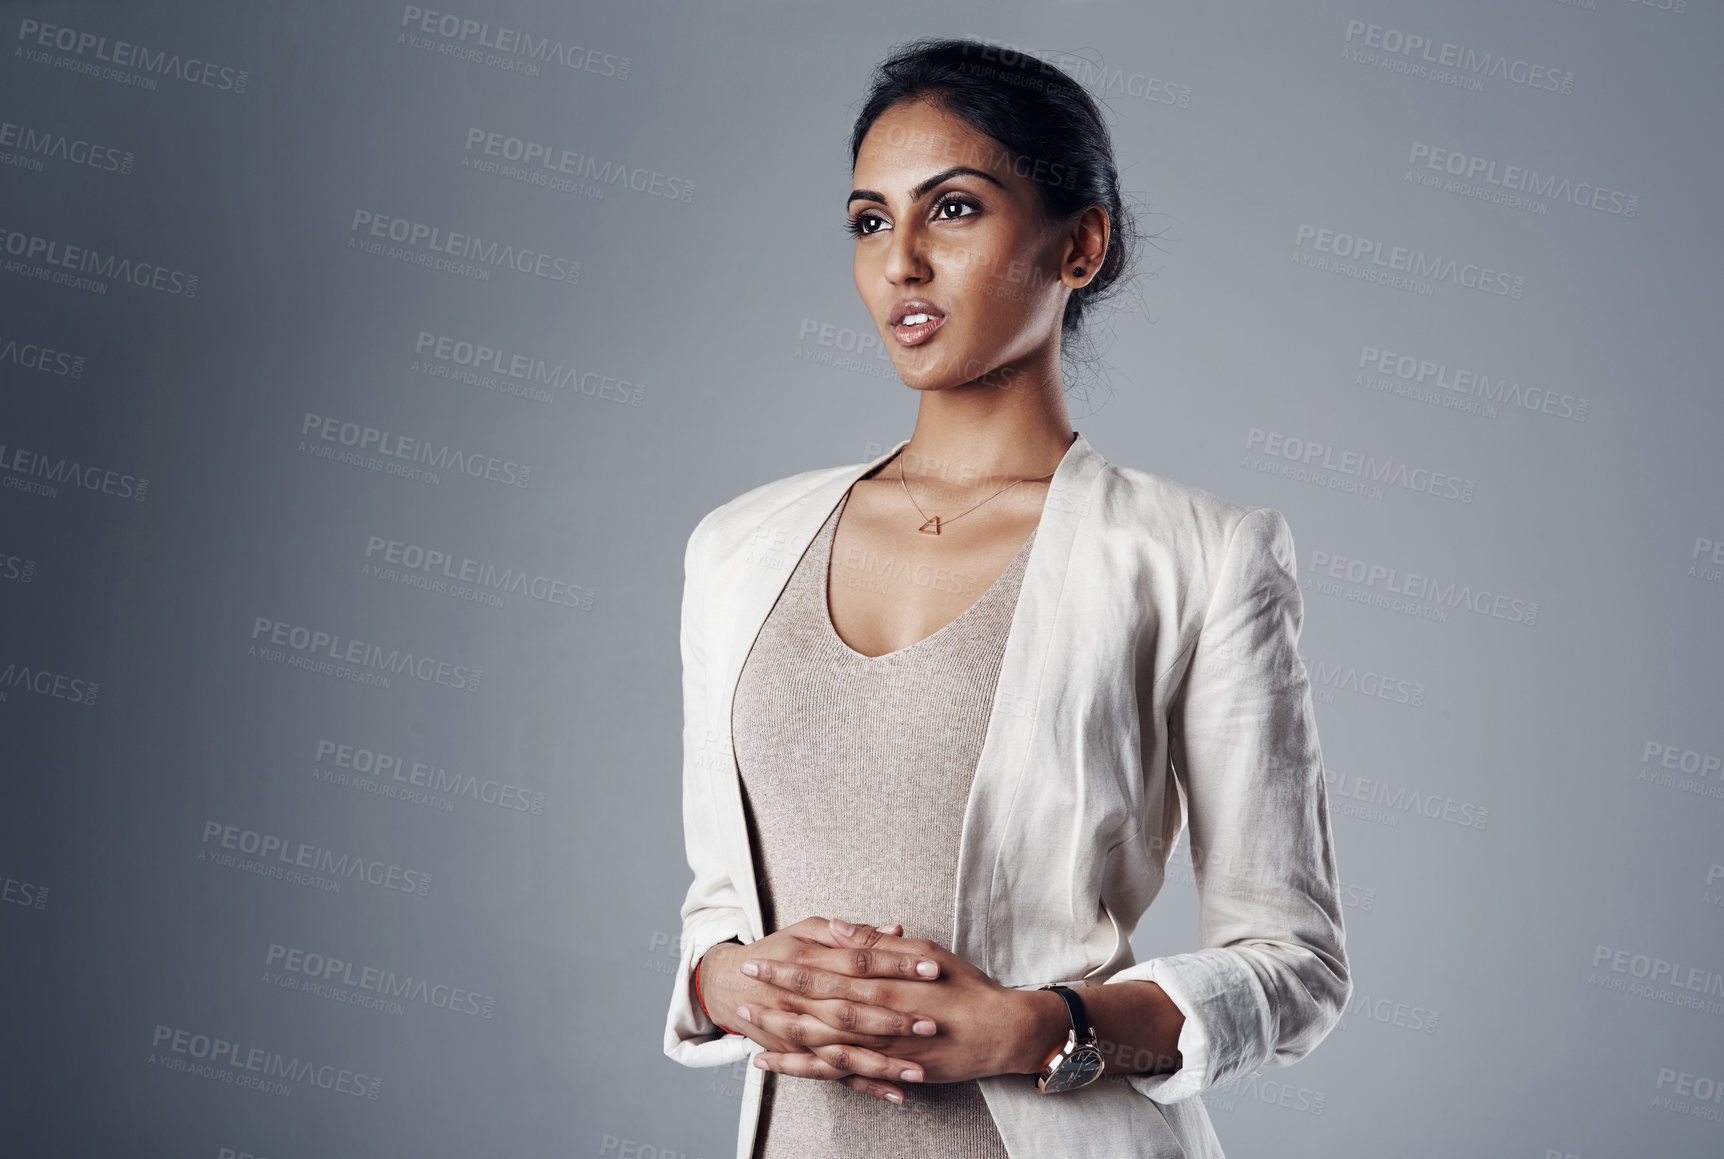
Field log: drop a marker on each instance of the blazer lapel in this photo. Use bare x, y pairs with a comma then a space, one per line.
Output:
753, 576
1018, 700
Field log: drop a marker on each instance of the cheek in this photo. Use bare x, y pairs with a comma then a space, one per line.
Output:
1003, 287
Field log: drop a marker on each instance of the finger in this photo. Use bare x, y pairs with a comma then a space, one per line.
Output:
813, 1066
859, 1060
874, 1087
856, 961
865, 935
802, 1066
801, 979
833, 1021
816, 927
856, 932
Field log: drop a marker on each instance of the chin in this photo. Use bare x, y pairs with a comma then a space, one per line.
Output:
931, 373
926, 380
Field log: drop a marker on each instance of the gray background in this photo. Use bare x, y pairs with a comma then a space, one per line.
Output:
1535, 894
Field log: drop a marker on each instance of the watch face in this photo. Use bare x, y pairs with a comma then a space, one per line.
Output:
1081, 1067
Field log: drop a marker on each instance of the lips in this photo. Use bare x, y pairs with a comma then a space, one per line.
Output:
915, 320
913, 306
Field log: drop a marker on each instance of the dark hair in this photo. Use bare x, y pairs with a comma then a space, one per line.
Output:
1049, 125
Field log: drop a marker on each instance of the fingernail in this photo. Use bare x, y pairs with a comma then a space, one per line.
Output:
927, 969
911, 1076
760, 1062
742, 1013
844, 928
752, 969
922, 1026
894, 1097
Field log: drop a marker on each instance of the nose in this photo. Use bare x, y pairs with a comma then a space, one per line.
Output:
906, 260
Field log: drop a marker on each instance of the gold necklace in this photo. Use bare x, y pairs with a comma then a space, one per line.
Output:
934, 521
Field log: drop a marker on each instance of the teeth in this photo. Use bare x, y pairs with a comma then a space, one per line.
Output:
916, 319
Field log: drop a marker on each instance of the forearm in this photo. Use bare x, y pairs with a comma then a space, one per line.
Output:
1136, 1027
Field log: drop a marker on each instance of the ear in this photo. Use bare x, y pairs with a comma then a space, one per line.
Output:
1086, 246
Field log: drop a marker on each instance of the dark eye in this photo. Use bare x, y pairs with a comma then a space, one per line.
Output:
955, 201
858, 226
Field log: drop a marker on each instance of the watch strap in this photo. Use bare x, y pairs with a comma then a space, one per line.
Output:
1075, 1008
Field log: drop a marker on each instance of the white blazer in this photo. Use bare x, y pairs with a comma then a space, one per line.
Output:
1151, 679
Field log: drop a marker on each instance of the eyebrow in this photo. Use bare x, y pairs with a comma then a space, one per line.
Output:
921, 190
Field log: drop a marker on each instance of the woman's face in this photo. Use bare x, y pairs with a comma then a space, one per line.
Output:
946, 228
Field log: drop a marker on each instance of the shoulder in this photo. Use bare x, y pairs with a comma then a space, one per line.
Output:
1200, 527
733, 523
1205, 559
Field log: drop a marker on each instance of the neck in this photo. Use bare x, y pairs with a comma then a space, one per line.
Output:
965, 440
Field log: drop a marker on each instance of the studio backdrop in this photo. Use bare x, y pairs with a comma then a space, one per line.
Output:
365, 366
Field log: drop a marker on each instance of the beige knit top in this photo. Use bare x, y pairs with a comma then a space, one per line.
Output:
856, 771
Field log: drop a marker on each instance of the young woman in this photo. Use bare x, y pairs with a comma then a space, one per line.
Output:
966, 696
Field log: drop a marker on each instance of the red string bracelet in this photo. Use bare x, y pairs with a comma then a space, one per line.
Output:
701, 1000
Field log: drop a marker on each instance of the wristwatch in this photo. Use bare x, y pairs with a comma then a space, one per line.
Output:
1079, 1061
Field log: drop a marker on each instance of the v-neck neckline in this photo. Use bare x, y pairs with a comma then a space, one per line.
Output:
830, 538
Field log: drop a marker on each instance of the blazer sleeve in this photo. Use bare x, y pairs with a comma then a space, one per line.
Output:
712, 910
1272, 978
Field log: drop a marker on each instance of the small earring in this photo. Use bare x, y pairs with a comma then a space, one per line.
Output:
1077, 271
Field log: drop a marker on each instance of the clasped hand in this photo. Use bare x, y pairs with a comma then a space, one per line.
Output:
864, 1007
